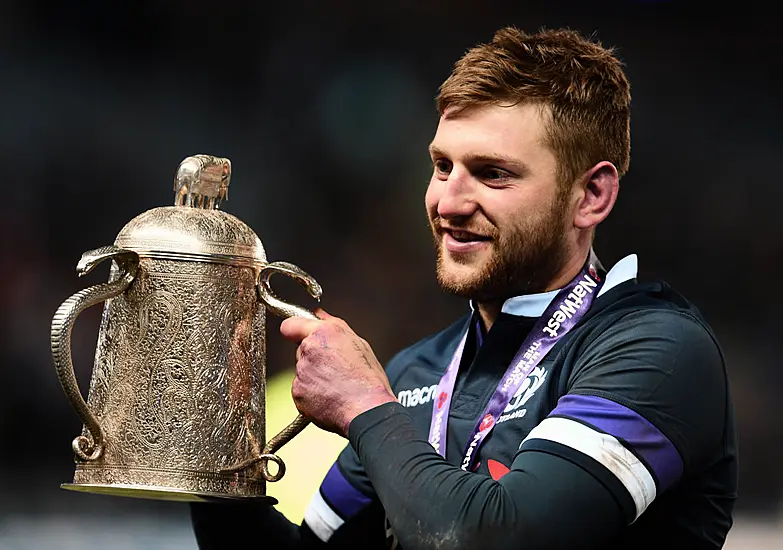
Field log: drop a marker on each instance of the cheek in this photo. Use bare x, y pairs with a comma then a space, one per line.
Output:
516, 210
502, 210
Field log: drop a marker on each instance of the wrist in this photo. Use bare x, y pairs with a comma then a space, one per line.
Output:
364, 404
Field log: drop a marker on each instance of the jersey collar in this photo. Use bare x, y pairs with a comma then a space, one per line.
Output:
534, 305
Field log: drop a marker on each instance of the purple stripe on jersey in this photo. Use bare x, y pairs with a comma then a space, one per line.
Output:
341, 495
633, 429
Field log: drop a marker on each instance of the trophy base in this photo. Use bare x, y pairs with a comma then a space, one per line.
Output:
161, 493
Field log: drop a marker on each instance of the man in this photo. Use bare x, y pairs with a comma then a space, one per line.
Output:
571, 407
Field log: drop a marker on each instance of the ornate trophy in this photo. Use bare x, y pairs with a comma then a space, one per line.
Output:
176, 402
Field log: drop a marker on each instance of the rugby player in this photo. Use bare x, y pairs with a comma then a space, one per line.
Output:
573, 406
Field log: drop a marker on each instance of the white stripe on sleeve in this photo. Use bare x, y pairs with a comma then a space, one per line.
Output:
322, 520
606, 450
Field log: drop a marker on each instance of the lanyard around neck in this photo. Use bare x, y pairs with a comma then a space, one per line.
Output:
562, 314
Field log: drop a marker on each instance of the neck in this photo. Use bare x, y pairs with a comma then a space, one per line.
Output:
489, 310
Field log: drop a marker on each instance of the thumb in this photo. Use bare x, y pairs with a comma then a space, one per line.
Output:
297, 329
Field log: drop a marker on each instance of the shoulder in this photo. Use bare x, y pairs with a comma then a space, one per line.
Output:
660, 359
643, 311
650, 351
655, 330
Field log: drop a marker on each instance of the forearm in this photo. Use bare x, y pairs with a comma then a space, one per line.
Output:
429, 501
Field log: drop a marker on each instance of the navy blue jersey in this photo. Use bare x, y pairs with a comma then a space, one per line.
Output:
621, 437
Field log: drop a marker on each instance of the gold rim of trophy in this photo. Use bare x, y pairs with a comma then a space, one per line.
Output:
161, 493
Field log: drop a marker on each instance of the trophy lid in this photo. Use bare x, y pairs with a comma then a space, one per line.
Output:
194, 228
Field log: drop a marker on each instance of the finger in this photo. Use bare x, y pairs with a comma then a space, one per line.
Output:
323, 315
297, 329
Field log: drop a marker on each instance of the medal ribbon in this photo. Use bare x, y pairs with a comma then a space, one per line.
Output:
562, 314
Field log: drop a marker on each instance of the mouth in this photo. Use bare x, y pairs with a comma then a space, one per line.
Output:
459, 241
462, 236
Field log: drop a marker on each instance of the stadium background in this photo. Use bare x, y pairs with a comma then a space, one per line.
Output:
325, 109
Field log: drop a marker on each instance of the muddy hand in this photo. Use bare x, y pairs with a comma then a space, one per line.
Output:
338, 376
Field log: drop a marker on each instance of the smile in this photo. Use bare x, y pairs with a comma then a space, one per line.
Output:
463, 241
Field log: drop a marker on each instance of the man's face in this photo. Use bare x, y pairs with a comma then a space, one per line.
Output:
496, 213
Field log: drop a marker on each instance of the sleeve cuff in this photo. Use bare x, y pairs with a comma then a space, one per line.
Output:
375, 425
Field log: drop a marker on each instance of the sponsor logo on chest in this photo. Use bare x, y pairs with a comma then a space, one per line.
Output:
417, 396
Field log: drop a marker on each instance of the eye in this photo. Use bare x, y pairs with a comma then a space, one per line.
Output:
441, 166
494, 174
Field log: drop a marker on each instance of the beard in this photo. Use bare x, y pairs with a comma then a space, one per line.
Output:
524, 260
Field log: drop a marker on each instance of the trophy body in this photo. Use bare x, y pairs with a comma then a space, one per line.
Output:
176, 402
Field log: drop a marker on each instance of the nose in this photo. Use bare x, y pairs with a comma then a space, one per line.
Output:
458, 196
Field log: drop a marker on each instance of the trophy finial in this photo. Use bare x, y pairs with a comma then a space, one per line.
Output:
202, 181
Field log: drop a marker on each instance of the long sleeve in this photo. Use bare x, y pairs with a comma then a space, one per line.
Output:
430, 502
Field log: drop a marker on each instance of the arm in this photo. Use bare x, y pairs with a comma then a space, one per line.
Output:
466, 500
626, 432
429, 501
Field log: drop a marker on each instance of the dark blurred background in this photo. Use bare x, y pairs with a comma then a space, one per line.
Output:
325, 110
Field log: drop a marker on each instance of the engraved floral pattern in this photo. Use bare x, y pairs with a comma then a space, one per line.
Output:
179, 380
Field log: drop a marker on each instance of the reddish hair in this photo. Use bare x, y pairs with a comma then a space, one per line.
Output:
580, 83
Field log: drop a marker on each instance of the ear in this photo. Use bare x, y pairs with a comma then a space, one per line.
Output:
596, 195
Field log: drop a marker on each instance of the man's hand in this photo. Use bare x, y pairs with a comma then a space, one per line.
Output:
338, 376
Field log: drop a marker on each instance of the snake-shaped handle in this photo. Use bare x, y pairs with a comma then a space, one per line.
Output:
87, 448
283, 309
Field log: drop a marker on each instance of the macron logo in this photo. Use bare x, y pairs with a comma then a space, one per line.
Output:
417, 396
570, 305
